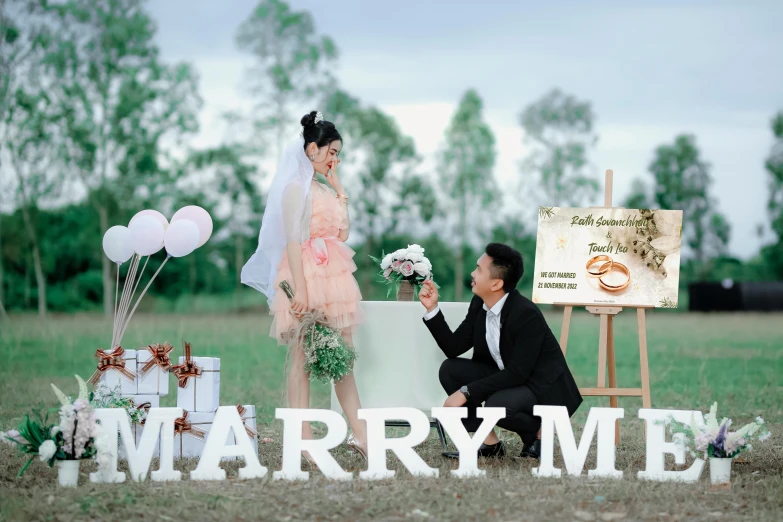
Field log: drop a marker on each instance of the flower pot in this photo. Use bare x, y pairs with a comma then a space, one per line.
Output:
720, 470
405, 293
68, 473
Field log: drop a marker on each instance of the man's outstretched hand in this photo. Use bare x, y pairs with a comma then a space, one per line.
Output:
428, 295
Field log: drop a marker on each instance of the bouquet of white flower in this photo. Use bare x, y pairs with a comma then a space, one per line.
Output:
77, 436
713, 439
105, 397
407, 267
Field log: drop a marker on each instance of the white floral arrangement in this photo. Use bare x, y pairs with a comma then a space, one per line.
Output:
406, 264
77, 436
105, 397
713, 439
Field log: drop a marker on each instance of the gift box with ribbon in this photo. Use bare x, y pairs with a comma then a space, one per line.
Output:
248, 415
198, 382
116, 368
152, 368
190, 433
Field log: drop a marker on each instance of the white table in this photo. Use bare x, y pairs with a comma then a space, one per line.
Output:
398, 360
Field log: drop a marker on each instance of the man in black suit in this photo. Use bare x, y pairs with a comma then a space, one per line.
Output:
517, 362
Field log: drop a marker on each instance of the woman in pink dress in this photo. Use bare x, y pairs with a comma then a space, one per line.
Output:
302, 241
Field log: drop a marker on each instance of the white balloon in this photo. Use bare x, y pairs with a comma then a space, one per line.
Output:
154, 213
200, 217
146, 235
182, 238
117, 244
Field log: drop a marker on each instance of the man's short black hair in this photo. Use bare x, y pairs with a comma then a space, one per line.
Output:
506, 265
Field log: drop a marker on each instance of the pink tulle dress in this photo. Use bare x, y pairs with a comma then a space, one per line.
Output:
328, 268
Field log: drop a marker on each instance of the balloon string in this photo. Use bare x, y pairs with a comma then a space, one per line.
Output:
117, 316
138, 280
130, 277
124, 313
122, 302
122, 333
116, 296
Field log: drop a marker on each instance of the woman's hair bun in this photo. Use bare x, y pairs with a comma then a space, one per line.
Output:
317, 130
308, 119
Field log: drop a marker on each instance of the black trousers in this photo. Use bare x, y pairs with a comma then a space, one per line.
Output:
518, 401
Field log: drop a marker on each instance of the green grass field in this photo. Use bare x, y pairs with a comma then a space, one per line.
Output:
694, 360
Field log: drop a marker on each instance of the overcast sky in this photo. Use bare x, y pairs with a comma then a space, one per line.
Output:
651, 69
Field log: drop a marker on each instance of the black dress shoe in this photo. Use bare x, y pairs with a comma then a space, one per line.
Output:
495, 450
533, 451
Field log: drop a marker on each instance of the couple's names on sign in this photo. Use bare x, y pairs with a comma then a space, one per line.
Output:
589, 221
160, 426
609, 247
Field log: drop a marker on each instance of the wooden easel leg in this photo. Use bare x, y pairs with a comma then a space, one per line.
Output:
645, 370
613, 400
564, 328
602, 341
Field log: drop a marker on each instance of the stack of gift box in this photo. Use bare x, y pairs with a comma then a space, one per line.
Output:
198, 391
140, 375
198, 394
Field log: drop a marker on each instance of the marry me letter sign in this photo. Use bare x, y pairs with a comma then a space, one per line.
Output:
608, 256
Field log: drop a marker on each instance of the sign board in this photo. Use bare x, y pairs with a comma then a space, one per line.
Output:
608, 256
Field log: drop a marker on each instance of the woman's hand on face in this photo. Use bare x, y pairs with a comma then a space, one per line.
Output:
332, 179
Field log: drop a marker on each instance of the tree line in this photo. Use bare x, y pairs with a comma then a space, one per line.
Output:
95, 125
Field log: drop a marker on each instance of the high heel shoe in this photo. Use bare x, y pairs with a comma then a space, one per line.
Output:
355, 446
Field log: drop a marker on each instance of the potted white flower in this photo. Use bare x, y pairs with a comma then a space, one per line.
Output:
404, 271
78, 436
714, 440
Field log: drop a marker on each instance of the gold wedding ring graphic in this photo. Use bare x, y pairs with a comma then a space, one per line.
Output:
603, 269
616, 288
607, 265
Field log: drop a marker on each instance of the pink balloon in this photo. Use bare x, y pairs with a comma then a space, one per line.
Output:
117, 244
154, 213
146, 234
200, 217
181, 238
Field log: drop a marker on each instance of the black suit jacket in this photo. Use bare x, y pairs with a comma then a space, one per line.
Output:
530, 352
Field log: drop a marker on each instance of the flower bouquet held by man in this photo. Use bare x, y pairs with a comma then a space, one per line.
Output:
404, 271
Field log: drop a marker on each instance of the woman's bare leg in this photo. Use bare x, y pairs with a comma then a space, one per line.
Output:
348, 395
299, 386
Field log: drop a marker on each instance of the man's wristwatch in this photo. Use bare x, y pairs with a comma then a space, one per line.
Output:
464, 391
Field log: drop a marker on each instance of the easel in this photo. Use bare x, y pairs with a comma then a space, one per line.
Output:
606, 342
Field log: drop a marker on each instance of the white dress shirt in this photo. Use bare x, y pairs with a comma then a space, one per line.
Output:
493, 328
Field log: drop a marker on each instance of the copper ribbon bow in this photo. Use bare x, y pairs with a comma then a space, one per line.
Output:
182, 426
143, 406
250, 431
186, 370
111, 361
160, 356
